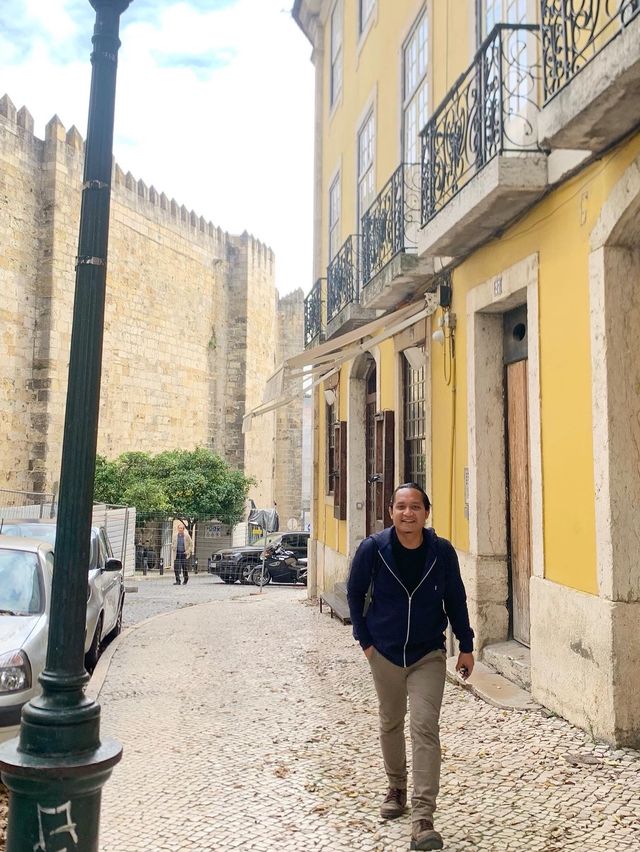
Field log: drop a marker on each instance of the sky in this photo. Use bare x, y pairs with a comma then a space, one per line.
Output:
214, 106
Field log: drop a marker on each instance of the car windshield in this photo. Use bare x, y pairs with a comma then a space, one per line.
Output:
44, 532
20, 587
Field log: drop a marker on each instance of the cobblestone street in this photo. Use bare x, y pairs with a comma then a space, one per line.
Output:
249, 722
156, 595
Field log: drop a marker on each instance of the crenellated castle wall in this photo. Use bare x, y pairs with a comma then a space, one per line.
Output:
190, 325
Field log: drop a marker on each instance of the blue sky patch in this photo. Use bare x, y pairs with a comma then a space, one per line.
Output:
148, 10
202, 64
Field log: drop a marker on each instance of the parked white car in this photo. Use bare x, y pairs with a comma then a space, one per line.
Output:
26, 571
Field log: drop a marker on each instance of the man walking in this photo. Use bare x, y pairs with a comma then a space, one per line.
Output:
181, 550
403, 587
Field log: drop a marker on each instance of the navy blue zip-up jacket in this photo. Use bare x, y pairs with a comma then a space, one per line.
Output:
404, 627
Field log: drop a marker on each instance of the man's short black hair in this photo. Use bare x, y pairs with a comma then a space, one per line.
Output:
415, 487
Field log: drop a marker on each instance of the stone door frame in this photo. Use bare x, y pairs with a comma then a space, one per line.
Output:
485, 565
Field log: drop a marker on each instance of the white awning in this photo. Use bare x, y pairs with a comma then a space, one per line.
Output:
325, 360
285, 399
274, 386
324, 352
266, 408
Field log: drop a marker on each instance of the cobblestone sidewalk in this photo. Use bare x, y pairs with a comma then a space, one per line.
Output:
251, 724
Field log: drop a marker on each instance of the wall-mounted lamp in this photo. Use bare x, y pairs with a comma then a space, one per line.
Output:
438, 336
415, 357
330, 397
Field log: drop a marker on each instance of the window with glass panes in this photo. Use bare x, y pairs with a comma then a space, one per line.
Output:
366, 10
416, 94
366, 155
492, 12
414, 425
331, 415
335, 82
334, 217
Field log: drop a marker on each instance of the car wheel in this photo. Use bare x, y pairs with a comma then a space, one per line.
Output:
117, 630
93, 654
246, 569
259, 578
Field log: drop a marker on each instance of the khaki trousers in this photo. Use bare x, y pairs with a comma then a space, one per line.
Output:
423, 684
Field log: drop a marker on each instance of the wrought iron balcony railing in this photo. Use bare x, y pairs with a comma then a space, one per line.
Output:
389, 225
313, 325
343, 277
491, 109
575, 31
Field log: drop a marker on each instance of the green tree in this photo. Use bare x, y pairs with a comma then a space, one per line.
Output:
184, 484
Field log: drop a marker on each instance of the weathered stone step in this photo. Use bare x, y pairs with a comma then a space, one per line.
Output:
492, 687
510, 659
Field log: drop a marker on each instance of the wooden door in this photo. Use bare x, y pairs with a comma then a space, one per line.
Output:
518, 485
385, 463
370, 448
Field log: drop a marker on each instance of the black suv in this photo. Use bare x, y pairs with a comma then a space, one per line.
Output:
237, 563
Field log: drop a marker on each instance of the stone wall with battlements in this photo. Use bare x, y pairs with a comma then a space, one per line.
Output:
190, 325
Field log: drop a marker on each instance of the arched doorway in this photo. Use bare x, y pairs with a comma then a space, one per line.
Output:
362, 406
371, 406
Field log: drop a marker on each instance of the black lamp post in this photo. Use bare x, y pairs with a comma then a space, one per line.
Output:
56, 770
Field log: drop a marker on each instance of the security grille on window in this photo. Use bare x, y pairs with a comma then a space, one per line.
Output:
335, 83
414, 425
366, 10
334, 218
415, 87
331, 415
366, 155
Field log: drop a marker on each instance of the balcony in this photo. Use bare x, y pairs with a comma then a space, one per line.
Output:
591, 64
314, 325
344, 311
481, 162
391, 269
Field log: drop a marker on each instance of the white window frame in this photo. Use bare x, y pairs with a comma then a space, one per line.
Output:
519, 105
335, 205
492, 12
415, 87
336, 38
366, 164
366, 9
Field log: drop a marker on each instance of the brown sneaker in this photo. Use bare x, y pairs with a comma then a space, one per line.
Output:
394, 804
423, 836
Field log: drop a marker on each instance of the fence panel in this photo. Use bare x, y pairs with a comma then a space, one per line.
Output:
27, 504
119, 523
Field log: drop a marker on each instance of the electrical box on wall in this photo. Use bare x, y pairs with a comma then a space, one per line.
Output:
444, 294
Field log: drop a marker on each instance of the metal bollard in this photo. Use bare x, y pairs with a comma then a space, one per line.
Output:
161, 564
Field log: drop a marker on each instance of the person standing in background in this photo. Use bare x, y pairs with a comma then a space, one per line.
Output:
181, 550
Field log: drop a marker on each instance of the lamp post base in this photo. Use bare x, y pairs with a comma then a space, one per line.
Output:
53, 799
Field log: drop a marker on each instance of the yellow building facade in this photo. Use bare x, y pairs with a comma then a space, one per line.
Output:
472, 321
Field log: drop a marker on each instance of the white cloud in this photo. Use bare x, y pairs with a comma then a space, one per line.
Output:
214, 108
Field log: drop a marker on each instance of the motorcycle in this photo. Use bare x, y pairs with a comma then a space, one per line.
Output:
281, 566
